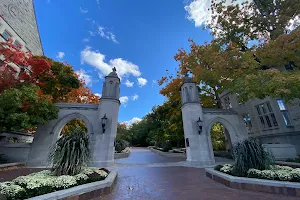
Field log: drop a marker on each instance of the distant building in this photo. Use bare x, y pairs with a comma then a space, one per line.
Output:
270, 120
18, 21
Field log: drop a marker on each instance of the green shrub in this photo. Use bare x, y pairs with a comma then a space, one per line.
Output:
223, 154
166, 146
254, 173
121, 145
71, 153
281, 173
218, 167
249, 154
2, 159
296, 160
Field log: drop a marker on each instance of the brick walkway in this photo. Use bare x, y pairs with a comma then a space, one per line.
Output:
139, 179
141, 182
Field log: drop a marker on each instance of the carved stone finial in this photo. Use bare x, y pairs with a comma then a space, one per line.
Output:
114, 69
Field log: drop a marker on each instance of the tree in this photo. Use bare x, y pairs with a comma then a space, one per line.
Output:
25, 106
260, 20
54, 78
269, 31
218, 137
46, 80
252, 45
74, 124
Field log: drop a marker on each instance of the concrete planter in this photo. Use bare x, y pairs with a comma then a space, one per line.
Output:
168, 154
281, 151
253, 184
86, 191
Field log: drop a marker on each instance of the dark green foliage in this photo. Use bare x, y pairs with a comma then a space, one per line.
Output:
70, 153
249, 154
218, 167
296, 160
65, 80
223, 154
23, 107
2, 159
166, 146
218, 137
121, 145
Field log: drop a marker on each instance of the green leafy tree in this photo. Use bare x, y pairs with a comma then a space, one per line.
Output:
24, 107
218, 137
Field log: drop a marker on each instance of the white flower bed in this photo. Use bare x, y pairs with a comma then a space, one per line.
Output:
276, 172
47, 181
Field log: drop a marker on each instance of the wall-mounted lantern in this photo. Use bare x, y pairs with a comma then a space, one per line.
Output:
104, 120
200, 123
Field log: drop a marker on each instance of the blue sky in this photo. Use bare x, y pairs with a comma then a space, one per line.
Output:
139, 38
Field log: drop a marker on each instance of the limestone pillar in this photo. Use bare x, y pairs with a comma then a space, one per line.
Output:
198, 145
104, 139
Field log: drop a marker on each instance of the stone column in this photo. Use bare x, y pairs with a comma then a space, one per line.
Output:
104, 138
198, 145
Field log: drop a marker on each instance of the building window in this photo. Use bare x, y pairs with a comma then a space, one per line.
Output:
6, 35
227, 103
247, 121
266, 115
284, 112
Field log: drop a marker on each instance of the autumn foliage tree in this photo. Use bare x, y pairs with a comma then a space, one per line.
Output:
35, 83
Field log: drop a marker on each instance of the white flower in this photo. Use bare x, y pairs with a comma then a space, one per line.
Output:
79, 177
278, 167
64, 181
9, 189
91, 170
284, 175
268, 174
227, 168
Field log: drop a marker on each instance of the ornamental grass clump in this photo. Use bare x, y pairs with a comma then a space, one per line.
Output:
70, 154
249, 154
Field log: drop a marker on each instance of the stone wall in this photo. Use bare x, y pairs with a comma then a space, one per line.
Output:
15, 152
20, 16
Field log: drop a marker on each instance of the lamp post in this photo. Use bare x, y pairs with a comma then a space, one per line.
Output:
104, 120
200, 123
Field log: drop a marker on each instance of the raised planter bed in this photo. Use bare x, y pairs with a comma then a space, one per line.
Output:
86, 191
253, 184
10, 166
168, 154
124, 154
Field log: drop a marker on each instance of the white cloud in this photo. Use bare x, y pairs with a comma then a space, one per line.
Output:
60, 55
97, 60
86, 39
84, 10
124, 100
129, 84
84, 76
98, 2
135, 97
132, 121
107, 35
142, 81
92, 34
199, 10
99, 95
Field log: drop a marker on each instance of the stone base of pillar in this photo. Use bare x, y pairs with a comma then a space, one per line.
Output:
108, 163
201, 163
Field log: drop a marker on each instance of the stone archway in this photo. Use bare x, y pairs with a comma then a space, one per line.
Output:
63, 121
197, 123
102, 140
229, 130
